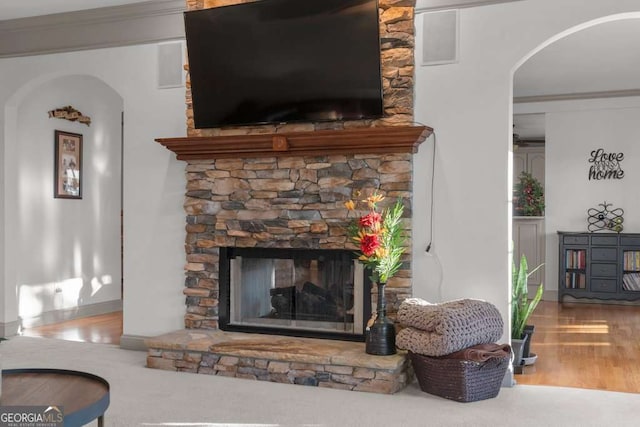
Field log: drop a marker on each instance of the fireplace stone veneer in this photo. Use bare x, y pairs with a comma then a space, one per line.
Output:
291, 360
284, 201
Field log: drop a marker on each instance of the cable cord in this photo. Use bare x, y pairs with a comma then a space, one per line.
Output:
433, 179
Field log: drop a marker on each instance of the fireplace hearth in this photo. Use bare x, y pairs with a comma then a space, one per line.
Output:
318, 293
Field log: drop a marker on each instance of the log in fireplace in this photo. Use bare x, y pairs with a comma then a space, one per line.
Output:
319, 293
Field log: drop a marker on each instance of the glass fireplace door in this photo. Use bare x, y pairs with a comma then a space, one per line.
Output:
293, 292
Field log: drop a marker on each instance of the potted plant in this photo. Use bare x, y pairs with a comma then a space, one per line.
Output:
528, 196
521, 306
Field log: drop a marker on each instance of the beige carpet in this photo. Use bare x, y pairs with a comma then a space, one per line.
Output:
142, 396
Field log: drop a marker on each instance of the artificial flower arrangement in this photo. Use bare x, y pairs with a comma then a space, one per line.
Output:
378, 235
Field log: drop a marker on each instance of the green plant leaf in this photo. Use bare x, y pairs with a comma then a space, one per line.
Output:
521, 307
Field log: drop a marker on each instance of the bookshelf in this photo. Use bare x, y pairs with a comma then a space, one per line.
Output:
576, 268
602, 266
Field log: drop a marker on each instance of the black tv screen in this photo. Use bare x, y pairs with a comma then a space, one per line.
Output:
280, 61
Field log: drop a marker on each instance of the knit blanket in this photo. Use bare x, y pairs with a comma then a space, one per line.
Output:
482, 352
441, 329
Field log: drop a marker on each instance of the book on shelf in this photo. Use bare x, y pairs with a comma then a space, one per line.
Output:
632, 260
575, 280
631, 282
575, 259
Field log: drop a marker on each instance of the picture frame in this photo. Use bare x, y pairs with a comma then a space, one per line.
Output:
68, 165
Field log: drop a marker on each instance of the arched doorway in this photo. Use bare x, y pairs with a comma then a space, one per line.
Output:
63, 255
583, 84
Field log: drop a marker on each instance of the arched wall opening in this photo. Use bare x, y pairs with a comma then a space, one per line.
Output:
153, 191
573, 129
62, 256
469, 104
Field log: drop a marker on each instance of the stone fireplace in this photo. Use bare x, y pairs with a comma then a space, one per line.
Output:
286, 191
267, 203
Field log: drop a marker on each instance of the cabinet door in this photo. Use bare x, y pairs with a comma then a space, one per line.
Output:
528, 159
528, 239
519, 164
535, 164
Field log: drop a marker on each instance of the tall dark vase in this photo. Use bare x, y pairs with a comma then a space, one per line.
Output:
528, 331
381, 336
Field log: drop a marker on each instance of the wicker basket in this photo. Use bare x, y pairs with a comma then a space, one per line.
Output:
460, 380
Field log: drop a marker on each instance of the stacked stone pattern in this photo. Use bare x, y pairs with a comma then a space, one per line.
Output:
310, 374
285, 360
283, 202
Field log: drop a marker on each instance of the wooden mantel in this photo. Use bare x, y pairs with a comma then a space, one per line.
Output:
374, 140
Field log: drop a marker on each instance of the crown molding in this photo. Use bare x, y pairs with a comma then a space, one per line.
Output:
576, 96
136, 23
431, 5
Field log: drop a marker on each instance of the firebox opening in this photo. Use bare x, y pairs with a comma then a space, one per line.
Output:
300, 292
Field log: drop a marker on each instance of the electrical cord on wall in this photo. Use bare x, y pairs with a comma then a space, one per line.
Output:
433, 179
434, 268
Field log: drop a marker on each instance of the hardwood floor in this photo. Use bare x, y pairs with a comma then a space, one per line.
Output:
594, 346
103, 329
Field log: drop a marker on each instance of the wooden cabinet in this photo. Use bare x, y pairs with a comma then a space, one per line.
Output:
600, 266
528, 159
528, 240
528, 231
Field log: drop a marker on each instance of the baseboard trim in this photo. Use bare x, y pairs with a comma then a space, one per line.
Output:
549, 295
9, 329
509, 380
133, 342
56, 316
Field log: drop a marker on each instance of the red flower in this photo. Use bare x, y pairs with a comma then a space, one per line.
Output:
369, 243
371, 220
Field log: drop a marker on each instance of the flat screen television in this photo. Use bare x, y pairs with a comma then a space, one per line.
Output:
281, 61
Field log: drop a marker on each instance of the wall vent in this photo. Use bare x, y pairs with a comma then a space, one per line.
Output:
440, 37
170, 65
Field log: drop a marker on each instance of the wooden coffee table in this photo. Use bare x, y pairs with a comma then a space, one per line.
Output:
83, 396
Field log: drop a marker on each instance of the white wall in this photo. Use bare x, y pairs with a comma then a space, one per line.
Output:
153, 187
469, 104
574, 128
571, 136
67, 253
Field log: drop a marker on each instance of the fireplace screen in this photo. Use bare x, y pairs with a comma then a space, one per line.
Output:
318, 293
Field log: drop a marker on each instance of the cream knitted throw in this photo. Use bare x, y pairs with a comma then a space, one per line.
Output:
441, 329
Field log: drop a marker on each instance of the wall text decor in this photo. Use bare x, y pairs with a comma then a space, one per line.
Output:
71, 114
605, 165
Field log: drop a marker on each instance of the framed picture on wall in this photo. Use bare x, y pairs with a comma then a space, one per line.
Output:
68, 165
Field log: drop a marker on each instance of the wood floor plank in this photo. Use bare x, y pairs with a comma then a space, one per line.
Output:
102, 329
594, 346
